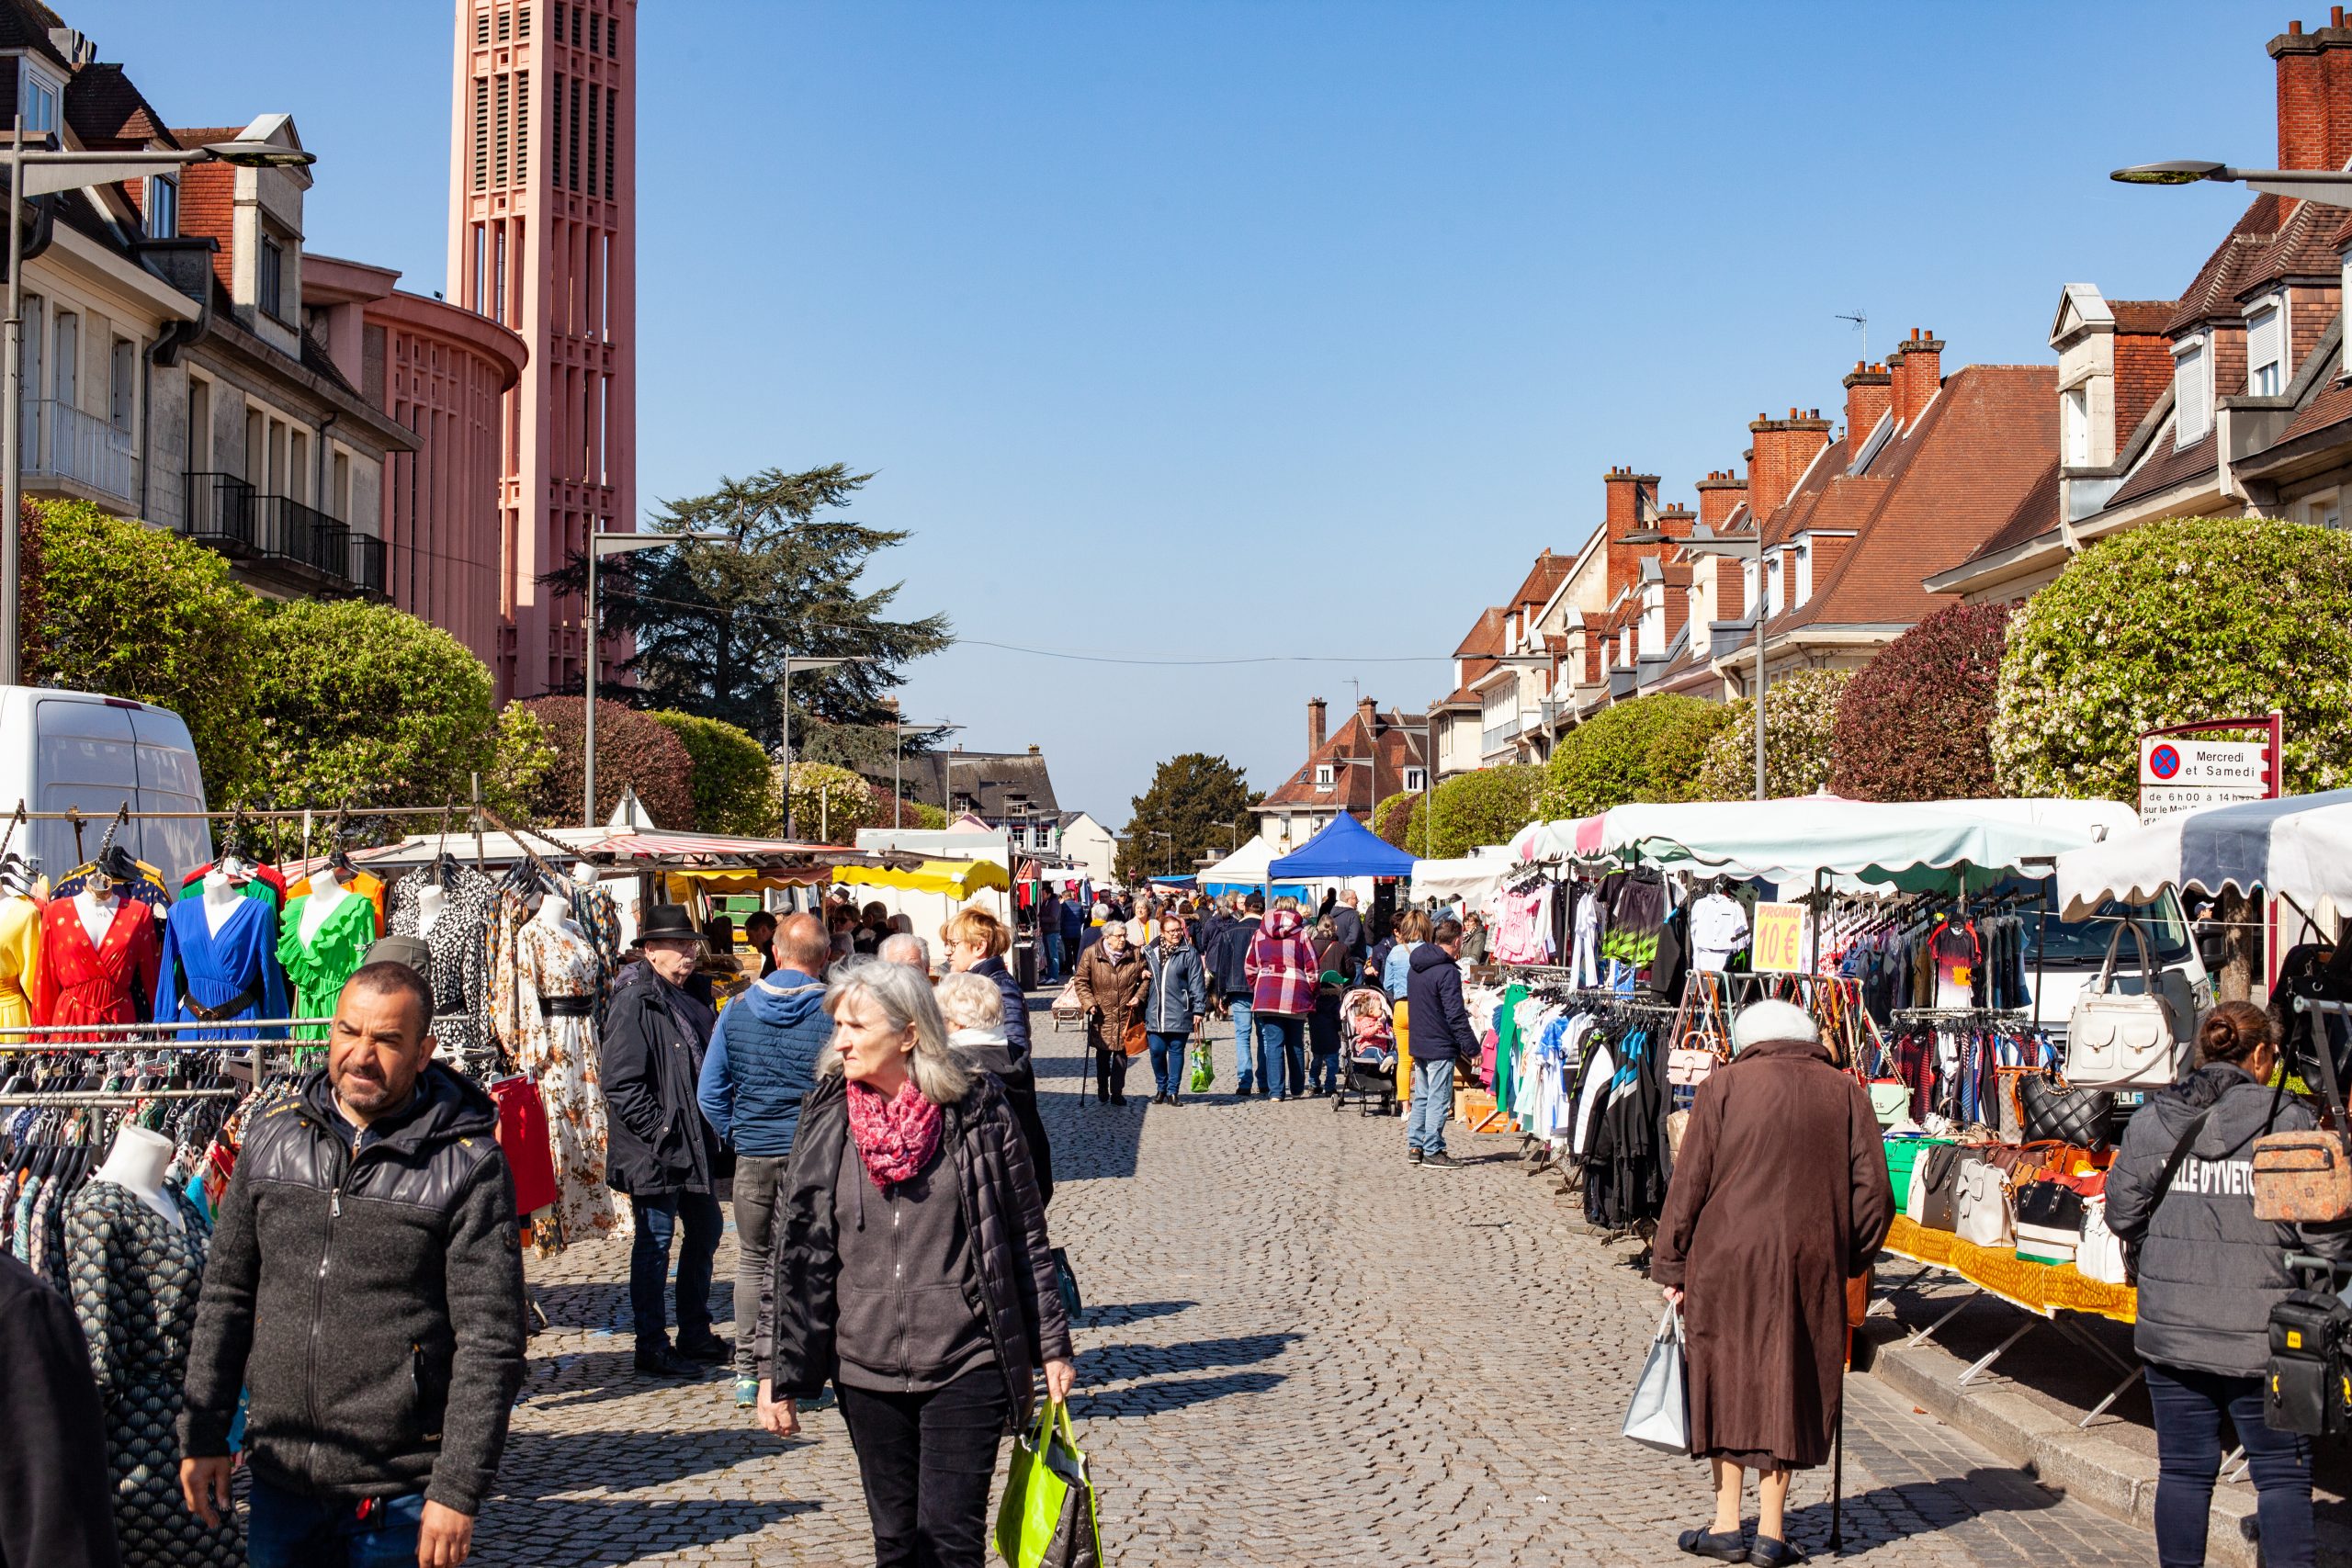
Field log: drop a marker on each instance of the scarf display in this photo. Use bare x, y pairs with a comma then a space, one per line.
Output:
895, 1136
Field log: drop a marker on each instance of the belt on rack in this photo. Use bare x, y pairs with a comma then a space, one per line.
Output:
221, 1012
567, 1007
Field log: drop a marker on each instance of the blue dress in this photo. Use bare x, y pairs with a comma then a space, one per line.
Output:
213, 968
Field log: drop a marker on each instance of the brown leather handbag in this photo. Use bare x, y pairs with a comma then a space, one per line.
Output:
2305, 1177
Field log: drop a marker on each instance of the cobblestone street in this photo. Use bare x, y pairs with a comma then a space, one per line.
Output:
1297, 1349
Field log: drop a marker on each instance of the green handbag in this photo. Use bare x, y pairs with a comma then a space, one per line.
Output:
1046, 1519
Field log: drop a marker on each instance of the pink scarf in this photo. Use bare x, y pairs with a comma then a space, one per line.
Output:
895, 1137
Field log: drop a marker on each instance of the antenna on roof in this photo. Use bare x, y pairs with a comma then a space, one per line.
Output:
1862, 320
1356, 687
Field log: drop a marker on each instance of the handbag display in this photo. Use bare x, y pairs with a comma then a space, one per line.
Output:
2049, 1221
2119, 1041
2099, 1255
1935, 1200
1047, 1518
1985, 1215
1659, 1416
1687, 1067
522, 1139
1890, 1101
2306, 1177
2050, 1109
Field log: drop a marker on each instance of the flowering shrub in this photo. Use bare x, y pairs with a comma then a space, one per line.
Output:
2182, 620
1648, 749
1392, 816
833, 802
1801, 713
1916, 725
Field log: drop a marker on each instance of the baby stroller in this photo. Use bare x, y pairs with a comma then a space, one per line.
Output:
1367, 1052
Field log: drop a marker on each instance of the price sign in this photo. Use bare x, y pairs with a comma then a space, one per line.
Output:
1778, 947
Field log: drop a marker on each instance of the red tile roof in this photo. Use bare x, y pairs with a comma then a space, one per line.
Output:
2143, 316
2168, 467
1354, 787
1486, 638
2036, 513
105, 110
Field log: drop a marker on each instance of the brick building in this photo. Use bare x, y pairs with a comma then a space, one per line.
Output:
1370, 757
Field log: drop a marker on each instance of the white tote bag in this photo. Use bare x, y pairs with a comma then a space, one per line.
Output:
1987, 1214
2100, 1256
1660, 1416
2118, 1040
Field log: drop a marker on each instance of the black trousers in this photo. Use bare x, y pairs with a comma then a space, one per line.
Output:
926, 1460
1110, 1071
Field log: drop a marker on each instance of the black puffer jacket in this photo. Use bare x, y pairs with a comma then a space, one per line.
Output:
371, 1303
2210, 1271
1002, 1214
657, 1143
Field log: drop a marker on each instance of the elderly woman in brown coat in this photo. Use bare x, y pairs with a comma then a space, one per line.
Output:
1780, 1195
1112, 982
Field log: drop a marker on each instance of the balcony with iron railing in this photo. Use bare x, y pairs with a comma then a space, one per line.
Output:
59, 441
281, 536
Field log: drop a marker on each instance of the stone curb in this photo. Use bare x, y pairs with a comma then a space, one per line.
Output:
2115, 1480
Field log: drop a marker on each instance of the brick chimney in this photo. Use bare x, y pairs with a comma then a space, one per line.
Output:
1628, 493
1314, 709
1783, 449
1676, 519
2314, 94
1869, 391
1918, 370
1369, 711
1720, 495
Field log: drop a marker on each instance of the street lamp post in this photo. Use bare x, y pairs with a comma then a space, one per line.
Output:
899, 728
1168, 860
1743, 548
2330, 187
44, 172
791, 664
604, 542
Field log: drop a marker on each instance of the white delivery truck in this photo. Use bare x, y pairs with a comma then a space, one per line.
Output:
95, 753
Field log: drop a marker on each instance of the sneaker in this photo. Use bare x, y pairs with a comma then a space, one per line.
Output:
1412, 1156
663, 1362
1244, 1088
1438, 1159
821, 1400
746, 1394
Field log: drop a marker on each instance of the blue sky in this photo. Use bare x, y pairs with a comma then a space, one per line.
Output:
1221, 330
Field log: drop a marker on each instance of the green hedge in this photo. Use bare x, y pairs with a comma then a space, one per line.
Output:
734, 783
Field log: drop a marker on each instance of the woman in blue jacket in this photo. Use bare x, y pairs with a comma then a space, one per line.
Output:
1180, 990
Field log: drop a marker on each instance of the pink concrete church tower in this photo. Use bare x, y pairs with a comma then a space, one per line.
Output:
543, 239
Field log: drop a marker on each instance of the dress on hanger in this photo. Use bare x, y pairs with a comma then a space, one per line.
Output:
366, 884
543, 1007
319, 966
456, 966
135, 1278
19, 960
266, 885
146, 885
236, 964
111, 982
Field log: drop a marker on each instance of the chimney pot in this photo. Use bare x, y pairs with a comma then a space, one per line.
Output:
2336, 16
2296, 27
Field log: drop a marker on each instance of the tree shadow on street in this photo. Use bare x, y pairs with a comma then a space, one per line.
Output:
539, 1465
1876, 1518
1167, 1394
1138, 1358
579, 1378
1118, 1314
600, 1532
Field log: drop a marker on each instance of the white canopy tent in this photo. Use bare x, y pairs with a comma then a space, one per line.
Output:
1470, 880
1243, 871
2298, 848
1914, 848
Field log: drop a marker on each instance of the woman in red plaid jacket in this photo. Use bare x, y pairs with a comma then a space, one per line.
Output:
1282, 976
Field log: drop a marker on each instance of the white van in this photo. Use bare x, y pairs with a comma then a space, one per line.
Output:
2063, 958
97, 753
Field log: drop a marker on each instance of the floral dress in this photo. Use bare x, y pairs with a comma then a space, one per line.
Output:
542, 1007
135, 1279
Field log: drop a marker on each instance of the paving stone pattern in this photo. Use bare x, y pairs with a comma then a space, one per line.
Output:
1296, 1351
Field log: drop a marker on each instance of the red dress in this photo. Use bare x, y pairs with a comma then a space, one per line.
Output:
80, 983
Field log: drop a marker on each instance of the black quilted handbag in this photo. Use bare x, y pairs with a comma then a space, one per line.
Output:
2079, 1118
2049, 1205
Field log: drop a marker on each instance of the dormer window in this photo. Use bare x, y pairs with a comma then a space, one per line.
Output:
2266, 351
272, 281
1416, 780
1323, 775
2074, 426
37, 96
162, 207
2192, 386
1801, 558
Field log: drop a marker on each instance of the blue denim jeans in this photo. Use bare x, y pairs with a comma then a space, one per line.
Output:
1282, 1051
658, 1219
1053, 955
1167, 1060
1433, 1106
2188, 1408
286, 1530
1249, 1058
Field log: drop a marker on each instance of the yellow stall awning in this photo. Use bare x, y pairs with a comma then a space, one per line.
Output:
959, 878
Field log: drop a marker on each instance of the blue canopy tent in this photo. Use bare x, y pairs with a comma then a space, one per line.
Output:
1345, 847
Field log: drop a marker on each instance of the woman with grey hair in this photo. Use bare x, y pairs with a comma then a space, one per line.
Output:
912, 1269
974, 1007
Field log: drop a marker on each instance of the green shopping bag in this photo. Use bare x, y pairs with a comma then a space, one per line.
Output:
1046, 1519
1204, 1065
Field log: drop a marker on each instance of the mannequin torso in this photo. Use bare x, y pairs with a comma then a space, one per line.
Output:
431, 902
97, 910
222, 899
325, 898
137, 1164
555, 910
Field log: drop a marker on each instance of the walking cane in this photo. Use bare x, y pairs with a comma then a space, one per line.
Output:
1837, 1479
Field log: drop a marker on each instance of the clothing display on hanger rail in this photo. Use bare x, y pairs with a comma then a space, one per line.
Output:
321, 941
456, 939
20, 961
100, 959
143, 883
1718, 930
216, 967
543, 1009
366, 884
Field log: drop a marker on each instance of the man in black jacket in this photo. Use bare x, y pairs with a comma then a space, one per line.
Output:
366, 1288
1439, 1028
1230, 975
658, 1148
1348, 925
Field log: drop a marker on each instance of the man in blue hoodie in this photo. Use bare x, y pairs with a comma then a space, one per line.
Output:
762, 1061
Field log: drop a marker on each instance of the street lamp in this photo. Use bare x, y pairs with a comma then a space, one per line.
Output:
40, 171
899, 728
791, 664
1167, 861
604, 542
2327, 186
1739, 548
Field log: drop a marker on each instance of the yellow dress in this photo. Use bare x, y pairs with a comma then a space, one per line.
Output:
19, 959
1401, 1015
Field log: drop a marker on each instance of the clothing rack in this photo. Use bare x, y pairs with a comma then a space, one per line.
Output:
12, 1036
98, 1098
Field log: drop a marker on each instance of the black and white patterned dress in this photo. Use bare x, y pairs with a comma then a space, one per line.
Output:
460, 965
135, 1278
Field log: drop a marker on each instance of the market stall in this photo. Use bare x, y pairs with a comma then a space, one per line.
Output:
1245, 871
1344, 850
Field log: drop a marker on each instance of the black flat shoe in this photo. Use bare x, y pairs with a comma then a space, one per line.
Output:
1730, 1548
712, 1350
664, 1363
1771, 1553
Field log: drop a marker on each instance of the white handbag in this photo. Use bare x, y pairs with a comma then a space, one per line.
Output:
1659, 1416
1986, 1213
2116, 1040
2100, 1256
1915, 1200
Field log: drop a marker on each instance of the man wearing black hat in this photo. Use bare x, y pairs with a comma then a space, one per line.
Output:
659, 1150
